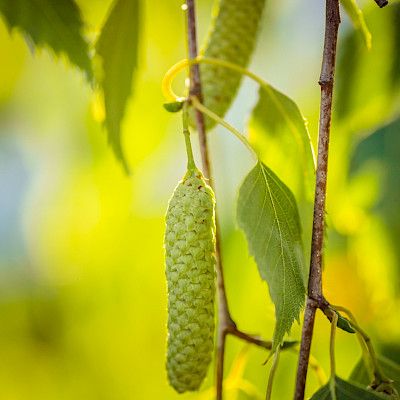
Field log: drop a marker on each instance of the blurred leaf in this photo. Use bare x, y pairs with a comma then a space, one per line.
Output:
346, 391
395, 17
360, 373
357, 17
390, 369
57, 24
390, 350
383, 148
279, 133
277, 127
267, 213
118, 50
348, 62
235, 383
366, 88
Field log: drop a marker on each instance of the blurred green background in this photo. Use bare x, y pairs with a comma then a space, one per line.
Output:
82, 286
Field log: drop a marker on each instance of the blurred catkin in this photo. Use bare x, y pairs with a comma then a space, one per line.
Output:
190, 272
232, 37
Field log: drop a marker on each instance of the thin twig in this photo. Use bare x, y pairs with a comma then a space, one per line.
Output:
332, 346
315, 296
332, 386
251, 339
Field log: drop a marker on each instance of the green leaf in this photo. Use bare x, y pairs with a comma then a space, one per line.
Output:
279, 131
390, 369
346, 391
344, 324
118, 51
267, 213
357, 17
174, 106
56, 24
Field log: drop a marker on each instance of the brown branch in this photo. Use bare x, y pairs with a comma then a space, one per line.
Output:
251, 339
315, 297
305, 348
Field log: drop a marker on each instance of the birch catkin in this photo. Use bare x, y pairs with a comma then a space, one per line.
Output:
190, 271
232, 38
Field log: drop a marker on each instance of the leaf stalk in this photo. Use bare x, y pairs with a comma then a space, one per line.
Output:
219, 120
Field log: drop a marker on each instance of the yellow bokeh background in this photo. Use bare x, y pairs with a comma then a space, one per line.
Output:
82, 285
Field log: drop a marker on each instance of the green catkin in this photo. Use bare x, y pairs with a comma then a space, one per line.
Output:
190, 272
232, 37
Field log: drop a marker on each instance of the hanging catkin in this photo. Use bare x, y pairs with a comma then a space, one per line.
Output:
190, 271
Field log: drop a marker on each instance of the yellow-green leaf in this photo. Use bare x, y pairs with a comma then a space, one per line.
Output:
357, 17
279, 132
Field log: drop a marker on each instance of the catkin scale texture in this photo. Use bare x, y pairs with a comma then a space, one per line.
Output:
190, 271
232, 37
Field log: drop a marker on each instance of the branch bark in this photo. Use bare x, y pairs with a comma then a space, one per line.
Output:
315, 296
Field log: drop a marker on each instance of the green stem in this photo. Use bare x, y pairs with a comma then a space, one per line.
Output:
272, 372
332, 345
191, 165
212, 115
332, 356
378, 373
364, 348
